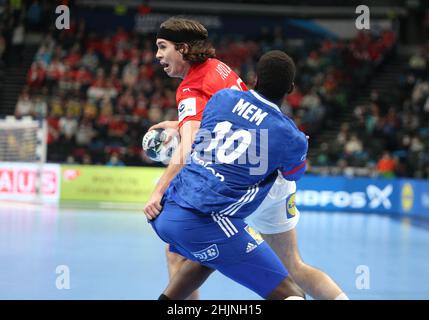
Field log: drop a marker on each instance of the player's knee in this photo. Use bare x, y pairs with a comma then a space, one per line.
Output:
173, 257
287, 288
174, 260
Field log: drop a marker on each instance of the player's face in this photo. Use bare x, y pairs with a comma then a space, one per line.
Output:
171, 59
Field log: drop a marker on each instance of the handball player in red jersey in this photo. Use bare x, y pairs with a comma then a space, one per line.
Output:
185, 52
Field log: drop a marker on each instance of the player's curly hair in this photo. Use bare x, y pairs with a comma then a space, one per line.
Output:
275, 74
195, 51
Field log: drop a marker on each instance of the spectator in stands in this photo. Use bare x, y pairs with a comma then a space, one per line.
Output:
353, 147
24, 105
68, 126
36, 75
386, 165
115, 160
85, 133
40, 107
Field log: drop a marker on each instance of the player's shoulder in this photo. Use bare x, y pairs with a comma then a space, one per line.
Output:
290, 125
216, 74
198, 77
228, 93
293, 134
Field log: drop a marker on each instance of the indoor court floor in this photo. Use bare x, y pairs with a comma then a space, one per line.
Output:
64, 253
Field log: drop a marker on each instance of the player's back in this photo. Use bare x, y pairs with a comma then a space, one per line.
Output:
243, 140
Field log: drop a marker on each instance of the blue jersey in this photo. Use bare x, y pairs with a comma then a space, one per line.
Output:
243, 142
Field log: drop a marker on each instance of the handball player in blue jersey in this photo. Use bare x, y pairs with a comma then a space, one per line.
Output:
206, 204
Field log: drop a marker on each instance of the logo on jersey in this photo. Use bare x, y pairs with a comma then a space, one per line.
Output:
254, 234
291, 206
207, 254
187, 108
186, 89
250, 247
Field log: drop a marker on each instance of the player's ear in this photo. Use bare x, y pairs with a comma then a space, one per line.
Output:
184, 48
256, 83
291, 87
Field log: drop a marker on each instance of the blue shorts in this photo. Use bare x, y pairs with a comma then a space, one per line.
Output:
226, 244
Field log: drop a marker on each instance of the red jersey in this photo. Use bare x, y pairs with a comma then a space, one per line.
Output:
200, 84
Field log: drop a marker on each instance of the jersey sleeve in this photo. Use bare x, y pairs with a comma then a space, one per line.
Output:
294, 163
193, 101
191, 107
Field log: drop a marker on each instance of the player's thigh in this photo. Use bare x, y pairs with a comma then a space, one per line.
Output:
248, 260
261, 270
194, 235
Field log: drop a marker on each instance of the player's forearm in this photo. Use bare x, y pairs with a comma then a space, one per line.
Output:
177, 162
187, 133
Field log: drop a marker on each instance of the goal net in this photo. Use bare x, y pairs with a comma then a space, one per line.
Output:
22, 158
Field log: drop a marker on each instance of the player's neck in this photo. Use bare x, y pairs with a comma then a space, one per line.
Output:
277, 102
186, 70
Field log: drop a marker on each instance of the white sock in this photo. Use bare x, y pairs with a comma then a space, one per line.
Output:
294, 298
342, 296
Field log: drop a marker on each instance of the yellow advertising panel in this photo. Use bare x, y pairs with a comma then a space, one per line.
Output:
108, 184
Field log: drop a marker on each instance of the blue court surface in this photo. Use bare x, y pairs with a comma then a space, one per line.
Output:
114, 254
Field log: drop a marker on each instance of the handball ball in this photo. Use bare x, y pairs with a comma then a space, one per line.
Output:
155, 148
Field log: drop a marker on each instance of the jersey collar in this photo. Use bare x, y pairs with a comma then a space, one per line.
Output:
257, 96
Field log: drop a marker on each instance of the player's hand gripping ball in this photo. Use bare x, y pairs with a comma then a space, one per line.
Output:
155, 148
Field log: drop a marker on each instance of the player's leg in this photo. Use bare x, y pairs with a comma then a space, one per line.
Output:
314, 281
174, 263
262, 272
186, 280
276, 219
224, 243
170, 226
192, 275
287, 289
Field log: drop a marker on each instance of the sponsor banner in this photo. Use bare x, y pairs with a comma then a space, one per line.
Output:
18, 182
414, 197
394, 196
108, 184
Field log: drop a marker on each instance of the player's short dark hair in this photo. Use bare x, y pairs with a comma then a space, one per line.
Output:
275, 73
199, 47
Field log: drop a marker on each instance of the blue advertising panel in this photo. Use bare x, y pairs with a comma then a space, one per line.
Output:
393, 196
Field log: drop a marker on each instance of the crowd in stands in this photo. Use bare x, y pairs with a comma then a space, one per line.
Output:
16, 18
100, 93
390, 135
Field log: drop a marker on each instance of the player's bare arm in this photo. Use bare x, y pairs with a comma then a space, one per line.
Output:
166, 125
187, 131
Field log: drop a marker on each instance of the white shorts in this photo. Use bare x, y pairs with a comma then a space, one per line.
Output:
278, 212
